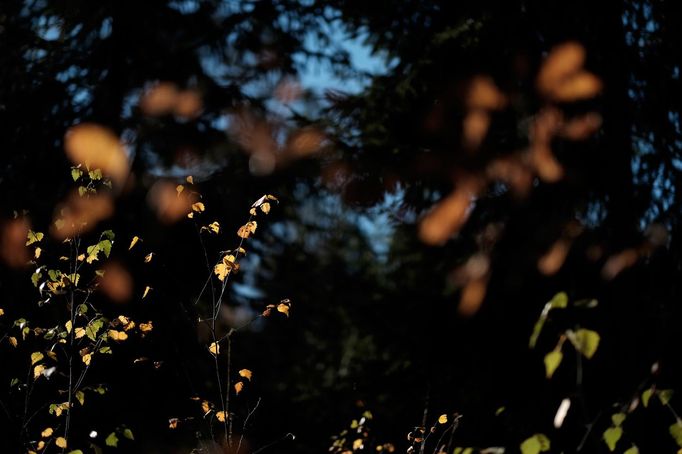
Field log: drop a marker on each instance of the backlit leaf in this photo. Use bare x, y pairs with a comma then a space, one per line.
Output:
35, 357
283, 308
79, 332
118, 336
146, 291
246, 373
585, 341
536, 444
238, 387
646, 395
198, 207
559, 301
676, 432
617, 419
148, 257
214, 227
611, 437
190, 180
442, 419
265, 208
220, 415
37, 371
664, 395
133, 242
111, 440
633, 450
47, 432
33, 237
214, 348
60, 442
80, 397
146, 327
86, 358
552, 361
128, 434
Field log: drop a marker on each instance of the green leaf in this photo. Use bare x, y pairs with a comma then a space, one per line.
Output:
676, 432
112, 440
35, 277
76, 173
80, 397
82, 190
552, 361
537, 329
611, 437
665, 395
559, 301
585, 341
106, 350
82, 309
95, 174
128, 434
633, 450
618, 419
109, 235
105, 246
646, 395
92, 329
536, 444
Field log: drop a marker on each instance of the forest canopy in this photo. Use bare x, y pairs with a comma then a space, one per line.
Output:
312, 226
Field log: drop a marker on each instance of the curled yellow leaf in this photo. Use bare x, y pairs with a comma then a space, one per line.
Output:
246, 373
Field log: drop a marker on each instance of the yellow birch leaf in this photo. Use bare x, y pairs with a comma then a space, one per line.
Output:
198, 207
13, 341
265, 207
173, 423
118, 336
81, 257
205, 407
68, 325
244, 232
214, 227
253, 212
146, 291
60, 442
35, 357
220, 415
221, 270
148, 257
239, 386
33, 237
442, 419
2, 312
179, 188
146, 327
37, 371
80, 332
80, 397
87, 358
134, 241
246, 373
37, 253
47, 432
190, 180
283, 308
52, 355
214, 348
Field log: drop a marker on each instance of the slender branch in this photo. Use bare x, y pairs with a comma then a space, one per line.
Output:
246, 421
